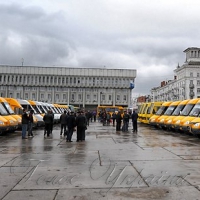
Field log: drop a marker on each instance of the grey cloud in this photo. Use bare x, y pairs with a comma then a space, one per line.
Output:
149, 37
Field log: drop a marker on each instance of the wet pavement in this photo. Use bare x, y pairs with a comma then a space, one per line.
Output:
152, 164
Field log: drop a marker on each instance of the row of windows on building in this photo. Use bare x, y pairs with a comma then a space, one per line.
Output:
78, 97
192, 75
23, 79
195, 54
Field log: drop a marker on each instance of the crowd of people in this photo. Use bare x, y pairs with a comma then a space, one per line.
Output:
71, 122
120, 120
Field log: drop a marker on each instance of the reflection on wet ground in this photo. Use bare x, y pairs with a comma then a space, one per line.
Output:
153, 164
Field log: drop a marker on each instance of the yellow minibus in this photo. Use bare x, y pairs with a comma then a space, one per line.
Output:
178, 121
162, 119
160, 112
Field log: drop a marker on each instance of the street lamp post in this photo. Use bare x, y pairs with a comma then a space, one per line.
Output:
22, 62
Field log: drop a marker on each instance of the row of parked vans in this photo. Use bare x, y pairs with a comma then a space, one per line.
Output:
11, 111
178, 115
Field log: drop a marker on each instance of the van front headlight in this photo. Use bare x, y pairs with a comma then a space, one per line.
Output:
169, 121
187, 122
197, 125
11, 121
152, 120
178, 122
162, 120
1, 123
19, 120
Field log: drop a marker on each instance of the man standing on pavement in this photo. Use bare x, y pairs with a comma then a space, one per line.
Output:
81, 123
134, 117
48, 120
118, 121
30, 124
113, 118
63, 123
25, 121
125, 121
71, 123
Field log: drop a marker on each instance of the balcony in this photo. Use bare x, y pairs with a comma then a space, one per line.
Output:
191, 93
191, 86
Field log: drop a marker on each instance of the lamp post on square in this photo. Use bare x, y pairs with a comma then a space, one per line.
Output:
22, 62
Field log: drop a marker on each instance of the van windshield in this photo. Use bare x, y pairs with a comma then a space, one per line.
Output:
178, 110
3, 110
161, 110
195, 111
187, 109
169, 110
8, 108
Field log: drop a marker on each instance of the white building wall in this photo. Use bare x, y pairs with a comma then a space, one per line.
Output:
76, 86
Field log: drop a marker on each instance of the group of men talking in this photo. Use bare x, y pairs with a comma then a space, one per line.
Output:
71, 122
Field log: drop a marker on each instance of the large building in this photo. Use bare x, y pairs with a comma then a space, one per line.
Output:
186, 81
82, 87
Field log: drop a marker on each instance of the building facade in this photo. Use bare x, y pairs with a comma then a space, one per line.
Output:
186, 81
82, 87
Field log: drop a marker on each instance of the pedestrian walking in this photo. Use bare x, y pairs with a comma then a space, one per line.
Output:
30, 124
48, 120
63, 123
134, 117
25, 121
71, 124
118, 121
81, 124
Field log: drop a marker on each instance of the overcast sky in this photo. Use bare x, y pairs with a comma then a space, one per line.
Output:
147, 35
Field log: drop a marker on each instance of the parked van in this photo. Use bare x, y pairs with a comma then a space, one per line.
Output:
12, 123
4, 125
177, 122
161, 120
40, 107
56, 118
146, 110
170, 120
151, 110
25, 104
195, 126
37, 113
185, 123
10, 110
141, 112
160, 112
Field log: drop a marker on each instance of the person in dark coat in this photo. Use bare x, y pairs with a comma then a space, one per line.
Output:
113, 118
48, 120
118, 121
134, 117
30, 125
81, 123
51, 127
71, 124
63, 123
88, 116
125, 121
25, 121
